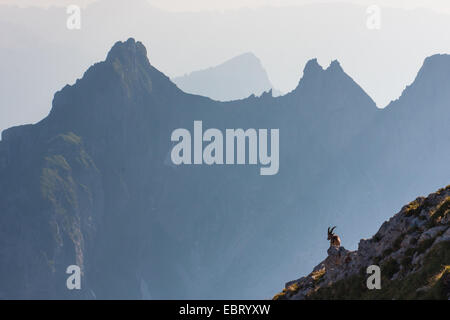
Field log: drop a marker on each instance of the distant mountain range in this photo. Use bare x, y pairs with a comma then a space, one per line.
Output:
91, 183
234, 79
39, 55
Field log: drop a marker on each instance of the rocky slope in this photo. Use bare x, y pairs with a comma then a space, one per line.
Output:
412, 250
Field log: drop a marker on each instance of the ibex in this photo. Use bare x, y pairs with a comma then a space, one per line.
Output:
334, 239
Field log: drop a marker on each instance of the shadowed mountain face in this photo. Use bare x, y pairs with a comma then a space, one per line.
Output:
92, 184
234, 79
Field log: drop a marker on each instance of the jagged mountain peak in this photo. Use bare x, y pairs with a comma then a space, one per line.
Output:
313, 67
236, 78
335, 82
335, 66
430, 82
126, 50
123, 62
123, 81
314, 72
128, 60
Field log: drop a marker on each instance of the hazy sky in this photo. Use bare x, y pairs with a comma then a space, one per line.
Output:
200, 5
382, 61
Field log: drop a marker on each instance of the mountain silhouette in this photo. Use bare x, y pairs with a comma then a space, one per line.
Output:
36, 45
234, 79
92, 184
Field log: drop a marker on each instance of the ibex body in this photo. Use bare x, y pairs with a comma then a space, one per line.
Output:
334, 238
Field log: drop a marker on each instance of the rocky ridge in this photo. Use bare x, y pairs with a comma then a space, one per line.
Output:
413, 252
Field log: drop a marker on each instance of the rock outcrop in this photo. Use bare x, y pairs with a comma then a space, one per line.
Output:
412, 250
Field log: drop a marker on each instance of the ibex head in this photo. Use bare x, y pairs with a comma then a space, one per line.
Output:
330, 233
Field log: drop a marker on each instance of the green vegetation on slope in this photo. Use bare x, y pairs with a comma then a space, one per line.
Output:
430, 282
